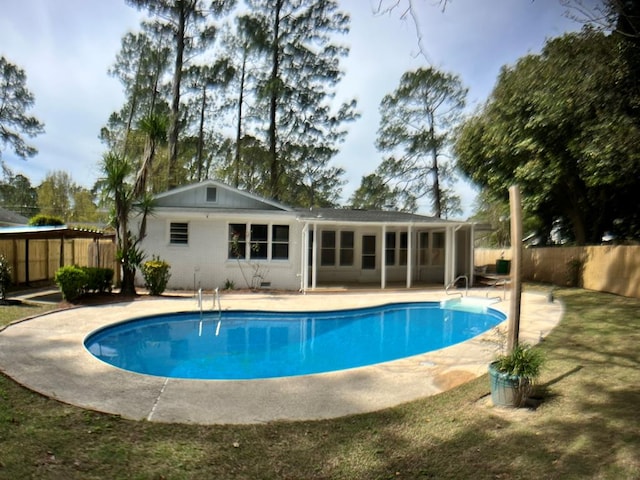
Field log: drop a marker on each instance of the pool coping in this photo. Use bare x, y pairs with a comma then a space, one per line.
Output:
46, 354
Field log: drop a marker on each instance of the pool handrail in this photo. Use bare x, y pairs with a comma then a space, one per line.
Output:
455, 280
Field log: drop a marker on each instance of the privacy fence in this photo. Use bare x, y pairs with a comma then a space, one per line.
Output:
35, 261
607, 268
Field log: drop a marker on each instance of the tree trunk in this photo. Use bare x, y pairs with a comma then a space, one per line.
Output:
236, 167
437, 195
175, 99
273, 154
203, 106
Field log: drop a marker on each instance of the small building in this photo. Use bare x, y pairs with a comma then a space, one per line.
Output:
214, 235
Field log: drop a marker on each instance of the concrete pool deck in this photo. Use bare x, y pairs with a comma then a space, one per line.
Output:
46, 354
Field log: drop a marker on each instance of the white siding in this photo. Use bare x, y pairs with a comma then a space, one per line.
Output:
204, 263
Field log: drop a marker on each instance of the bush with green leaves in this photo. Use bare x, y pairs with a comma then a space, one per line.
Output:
523, 361
156, 275
99, 280
72, 281
5, 277
42, 220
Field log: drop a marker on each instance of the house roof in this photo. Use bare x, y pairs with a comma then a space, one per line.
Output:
366, 216
49, 232
7, 217
181, 200
215, 183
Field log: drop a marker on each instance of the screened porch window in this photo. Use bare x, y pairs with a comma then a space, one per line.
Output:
328, 248
390, 249
346, 249
368, 252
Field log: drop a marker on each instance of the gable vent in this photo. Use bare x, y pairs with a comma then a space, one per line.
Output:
212, 194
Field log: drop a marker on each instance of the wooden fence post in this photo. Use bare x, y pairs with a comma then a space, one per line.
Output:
516, 267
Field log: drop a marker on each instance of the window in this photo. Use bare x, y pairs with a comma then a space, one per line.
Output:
437, 248
259, 241
280, 242
402, 251
390, 249
432, 248
346, 249
253, 241
178, 233
237, 240
212, 194
368, 252
328, 248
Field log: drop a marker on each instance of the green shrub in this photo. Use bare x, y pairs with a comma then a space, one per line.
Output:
523, 361
99, 280
72, 281
156, 275
5, 277
42, 220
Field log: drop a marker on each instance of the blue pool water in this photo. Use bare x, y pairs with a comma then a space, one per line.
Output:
251, 344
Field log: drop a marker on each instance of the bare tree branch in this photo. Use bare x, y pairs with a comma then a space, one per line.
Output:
408, 10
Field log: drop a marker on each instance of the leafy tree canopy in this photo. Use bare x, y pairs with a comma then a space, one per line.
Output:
564, 126
15, 100
17, 194
416, 123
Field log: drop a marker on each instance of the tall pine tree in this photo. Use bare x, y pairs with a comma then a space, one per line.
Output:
301, 70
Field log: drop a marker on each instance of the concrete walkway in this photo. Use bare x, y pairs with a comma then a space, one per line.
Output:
46, 354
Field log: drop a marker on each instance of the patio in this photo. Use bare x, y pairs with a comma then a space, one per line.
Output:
46, 354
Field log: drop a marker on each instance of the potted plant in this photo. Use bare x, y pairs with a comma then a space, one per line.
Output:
512, 375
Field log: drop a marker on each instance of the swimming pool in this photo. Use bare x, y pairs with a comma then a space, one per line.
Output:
237, 345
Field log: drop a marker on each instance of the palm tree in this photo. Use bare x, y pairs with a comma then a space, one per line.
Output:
118, 189
155, 128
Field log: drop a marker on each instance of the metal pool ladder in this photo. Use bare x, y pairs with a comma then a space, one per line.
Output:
454, 281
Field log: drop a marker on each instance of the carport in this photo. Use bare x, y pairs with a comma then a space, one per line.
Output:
27, 233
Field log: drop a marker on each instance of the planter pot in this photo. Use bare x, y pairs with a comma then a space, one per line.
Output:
508, 390
503, 267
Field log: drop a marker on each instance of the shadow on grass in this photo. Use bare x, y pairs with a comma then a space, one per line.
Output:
585, 427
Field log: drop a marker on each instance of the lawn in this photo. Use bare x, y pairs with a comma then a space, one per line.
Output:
587, 425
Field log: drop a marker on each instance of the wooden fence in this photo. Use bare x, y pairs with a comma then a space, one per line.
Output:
44, 257
607, 268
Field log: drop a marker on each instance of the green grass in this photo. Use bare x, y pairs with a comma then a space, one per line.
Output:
587, 426
12, 312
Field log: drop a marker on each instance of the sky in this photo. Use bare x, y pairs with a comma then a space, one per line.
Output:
66, 47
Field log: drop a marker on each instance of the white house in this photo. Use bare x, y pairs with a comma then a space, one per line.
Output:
214, 235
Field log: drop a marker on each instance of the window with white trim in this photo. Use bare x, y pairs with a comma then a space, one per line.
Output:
280, 242
237, 240
212, 194
258, 241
